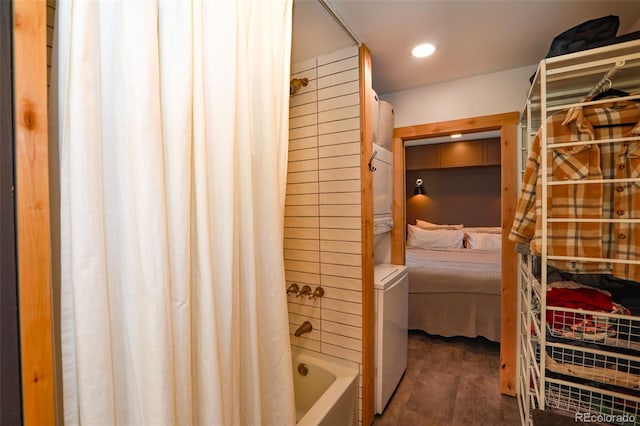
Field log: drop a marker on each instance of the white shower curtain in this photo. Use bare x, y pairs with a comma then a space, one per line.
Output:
173, 129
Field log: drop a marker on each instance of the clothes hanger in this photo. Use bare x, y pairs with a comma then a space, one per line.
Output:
610, 93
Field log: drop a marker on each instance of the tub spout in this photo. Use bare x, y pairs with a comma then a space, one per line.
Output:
306, 327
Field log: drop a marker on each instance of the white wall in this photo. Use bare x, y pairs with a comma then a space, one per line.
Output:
485, 94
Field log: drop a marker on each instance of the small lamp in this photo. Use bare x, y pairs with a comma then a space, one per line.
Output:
419, 188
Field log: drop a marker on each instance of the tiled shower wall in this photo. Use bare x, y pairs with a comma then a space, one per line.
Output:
322, 245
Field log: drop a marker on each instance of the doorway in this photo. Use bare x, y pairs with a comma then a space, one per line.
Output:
506, 124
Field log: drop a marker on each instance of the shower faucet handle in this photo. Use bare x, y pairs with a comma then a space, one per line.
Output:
293, 288
317, 293
305, 291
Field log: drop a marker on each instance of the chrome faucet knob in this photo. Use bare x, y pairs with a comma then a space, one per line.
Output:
293, 288
318, 292
305, 291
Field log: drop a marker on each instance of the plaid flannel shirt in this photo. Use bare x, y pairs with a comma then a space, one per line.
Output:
612, 160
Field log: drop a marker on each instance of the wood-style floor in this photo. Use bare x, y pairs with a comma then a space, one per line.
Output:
450, 381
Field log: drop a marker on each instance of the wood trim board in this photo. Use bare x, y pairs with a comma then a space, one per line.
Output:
366, 181
507, 124
32, 207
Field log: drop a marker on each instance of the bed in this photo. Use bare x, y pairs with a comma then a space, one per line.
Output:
453, 291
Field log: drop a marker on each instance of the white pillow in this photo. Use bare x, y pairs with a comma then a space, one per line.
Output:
428, 225
436, 238
485, 229
484, 241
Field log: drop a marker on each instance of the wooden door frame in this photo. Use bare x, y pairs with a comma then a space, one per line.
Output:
507, 125
32, 211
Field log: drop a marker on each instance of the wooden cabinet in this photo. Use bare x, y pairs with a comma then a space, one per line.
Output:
482, 152
422, 157
491, 152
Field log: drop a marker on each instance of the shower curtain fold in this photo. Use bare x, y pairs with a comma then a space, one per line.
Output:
173, 133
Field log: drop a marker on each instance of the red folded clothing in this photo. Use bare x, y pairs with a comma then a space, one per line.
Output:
578, 298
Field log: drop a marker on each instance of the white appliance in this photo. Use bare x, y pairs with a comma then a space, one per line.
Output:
391, 283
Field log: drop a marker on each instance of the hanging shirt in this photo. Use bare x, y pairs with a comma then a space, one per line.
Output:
585, 200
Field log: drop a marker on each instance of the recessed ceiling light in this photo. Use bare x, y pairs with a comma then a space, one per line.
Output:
456, 135
423, 50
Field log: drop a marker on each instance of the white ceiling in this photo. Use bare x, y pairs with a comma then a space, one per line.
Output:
472, 37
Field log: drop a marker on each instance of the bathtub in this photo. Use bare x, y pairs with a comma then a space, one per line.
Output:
328, 394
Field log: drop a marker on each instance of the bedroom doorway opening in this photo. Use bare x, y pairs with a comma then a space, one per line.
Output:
506, 126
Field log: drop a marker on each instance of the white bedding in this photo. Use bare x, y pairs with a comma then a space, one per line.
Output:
454, 270
455, 292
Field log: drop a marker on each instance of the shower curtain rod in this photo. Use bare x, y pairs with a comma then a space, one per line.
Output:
334, 13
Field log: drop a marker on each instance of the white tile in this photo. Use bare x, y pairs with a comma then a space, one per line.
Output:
341, 306
339, 186
352, 198
296, 244
301, 200
339, 162
295, 211
302, 277
341, 341
341, 282
341, 259
304, 188
304, 310
299, 319
303, 177
338, 78
303, 99
302, 110
339, 114
340, 222
304, 143
303, 255
339, 102
302, 166
303, 132
340, 235
303, 121
348, 354
348, 173
303, 154
297, 266
337, 126
301, 222
308, 67
341, 329
352, 148
341, 317
342, 271
301, 233
340, 294
338, 138
346, 210
341, 247
339, 66
339, 90
338, 55
307, 344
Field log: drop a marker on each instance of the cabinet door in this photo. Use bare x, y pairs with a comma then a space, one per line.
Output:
491, 149
422, 157
461, 154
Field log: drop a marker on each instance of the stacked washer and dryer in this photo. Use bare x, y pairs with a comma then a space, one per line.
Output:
391, 282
